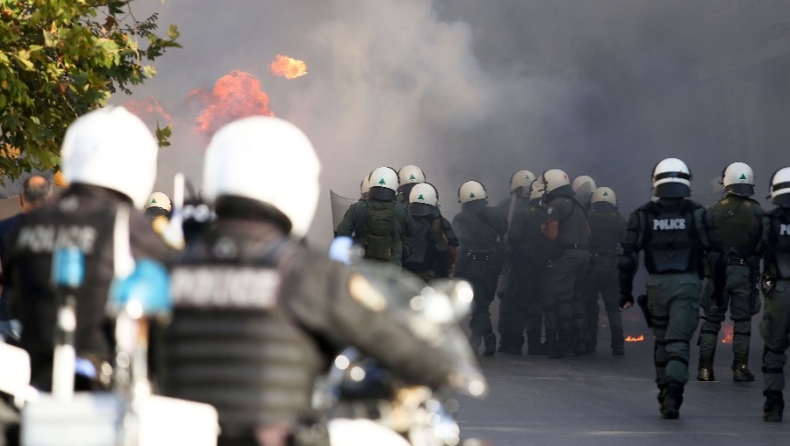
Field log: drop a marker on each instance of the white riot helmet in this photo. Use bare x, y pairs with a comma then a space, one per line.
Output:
604, 195
110, 147
583, 186
555, 179
423, 199
521, 179
537, 189
780, 187
159, 200
411, 174
471, 191
671, 179
384, 177
266, 159
738, 179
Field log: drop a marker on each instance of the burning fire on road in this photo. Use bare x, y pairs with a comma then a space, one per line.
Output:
639, 338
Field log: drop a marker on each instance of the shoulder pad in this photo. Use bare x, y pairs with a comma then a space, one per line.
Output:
649, 207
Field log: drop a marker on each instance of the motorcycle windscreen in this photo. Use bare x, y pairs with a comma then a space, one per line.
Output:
340, 205
428, 312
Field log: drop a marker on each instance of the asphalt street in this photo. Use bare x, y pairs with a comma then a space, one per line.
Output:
603, 400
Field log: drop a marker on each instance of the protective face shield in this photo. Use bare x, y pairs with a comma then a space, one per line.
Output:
423, 199
671, 179
738, 179
471, 191
604, 195
521, 179
583, 186
265, 159
537, 189
411, 174
555, 179
780, 187
112, 148
364, 186
384, 177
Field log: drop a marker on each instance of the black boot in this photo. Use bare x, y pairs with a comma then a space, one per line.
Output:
489, 341
705, 372
618, 342
740, 369
662, 392
774, 405
579, 347
673, 399
475, 340
534, 345
556, 349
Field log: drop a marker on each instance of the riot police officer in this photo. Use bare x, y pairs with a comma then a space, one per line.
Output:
737, 225
566, 226
584, 186
519, 187
380, 223
520, 303
408, 177
480, 230
434, 246
607, 228
109, 160
776, 282
673, 235
257, 316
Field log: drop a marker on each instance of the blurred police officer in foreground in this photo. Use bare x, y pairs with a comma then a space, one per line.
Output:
737, 223
480, 229
257, 316
567, 227
109, 160
673, 235
36, 192
775, 327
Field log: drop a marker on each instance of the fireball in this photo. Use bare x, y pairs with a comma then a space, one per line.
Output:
287, 67
235, 95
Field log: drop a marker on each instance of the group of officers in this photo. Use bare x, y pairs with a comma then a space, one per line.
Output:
250, 299
556, 247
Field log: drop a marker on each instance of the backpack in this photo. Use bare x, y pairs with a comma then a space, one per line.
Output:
378, 230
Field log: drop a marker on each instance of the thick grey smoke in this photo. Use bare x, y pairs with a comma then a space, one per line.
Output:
469, 89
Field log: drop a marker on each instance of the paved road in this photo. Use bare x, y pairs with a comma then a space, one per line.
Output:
602, 400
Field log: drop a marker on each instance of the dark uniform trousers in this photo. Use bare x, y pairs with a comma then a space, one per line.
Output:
673, 300
562, 297
520, 306
738, 297
601, 281
775, 330
482, 272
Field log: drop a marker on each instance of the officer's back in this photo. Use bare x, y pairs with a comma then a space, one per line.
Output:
257, 315
109, 158
379, 223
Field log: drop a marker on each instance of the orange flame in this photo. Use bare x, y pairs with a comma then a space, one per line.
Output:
287, 67
235, 95
639, 338
148, 109
727, 335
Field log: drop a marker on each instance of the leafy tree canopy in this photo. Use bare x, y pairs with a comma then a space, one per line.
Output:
60, 59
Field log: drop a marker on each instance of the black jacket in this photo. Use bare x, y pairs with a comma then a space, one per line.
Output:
258, 317
83, 216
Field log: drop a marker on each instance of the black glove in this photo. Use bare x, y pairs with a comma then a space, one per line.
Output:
626, 300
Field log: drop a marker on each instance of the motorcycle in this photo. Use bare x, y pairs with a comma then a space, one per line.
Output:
367, 404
